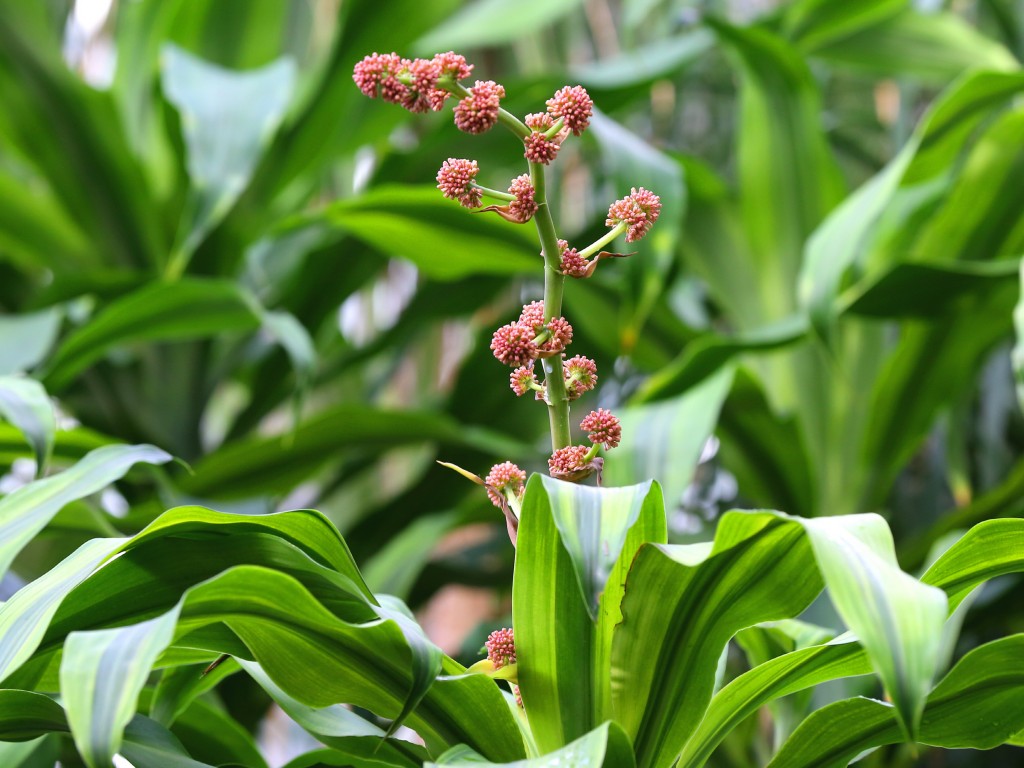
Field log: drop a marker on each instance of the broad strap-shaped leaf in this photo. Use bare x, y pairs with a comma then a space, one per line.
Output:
339, 727
102, 673
1017, 354
188, 309
789, 179
25, 618
490, 22
840, 240
27, 510
25, 404
896, 618
228, 118
767, 682
978, 705
988, 550
26, 715
575, 544
444, 241
682, 604
605, 746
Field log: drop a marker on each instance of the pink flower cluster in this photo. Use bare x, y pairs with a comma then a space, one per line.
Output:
478, 112
603, 428
524, 206
572, 264
501, 477
515, 344
639, 209
568, 461
574, 106
501, 647
411, 83
539, 147
455, 180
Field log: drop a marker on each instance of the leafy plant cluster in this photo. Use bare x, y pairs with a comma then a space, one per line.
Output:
829, 291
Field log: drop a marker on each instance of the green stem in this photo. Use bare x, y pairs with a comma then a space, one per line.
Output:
597, 245
506, 118
495, 193
554, 283
551, 132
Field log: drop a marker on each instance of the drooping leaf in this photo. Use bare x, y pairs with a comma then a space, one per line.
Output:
228, 118
978, 705
649, 62
25, 404
27, 510
187, 309
26, 715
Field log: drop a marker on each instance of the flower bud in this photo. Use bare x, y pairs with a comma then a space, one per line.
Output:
580, 375
513, 345
639, 209
501, 477
603, 428
455, 179
501, 647
478, 112
574, 106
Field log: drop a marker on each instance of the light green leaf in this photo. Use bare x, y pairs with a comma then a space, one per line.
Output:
25, 404
648, 62
27, 510
25, 339
978, 705
574, 543
592, 750
25, 617
228, 118
148, 745
102, 673
682, 606
814, 23
896, 618
188, 309
491, 22
665, 439
442, 239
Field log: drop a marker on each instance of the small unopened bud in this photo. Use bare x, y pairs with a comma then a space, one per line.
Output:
455, 180
533, 315
513, 345
501, 477
572, 264
524, 205
580, 375
540, 149
523, 379
568, 461
376, 75
561, 335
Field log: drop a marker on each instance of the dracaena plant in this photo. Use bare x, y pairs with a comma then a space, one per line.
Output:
618, 638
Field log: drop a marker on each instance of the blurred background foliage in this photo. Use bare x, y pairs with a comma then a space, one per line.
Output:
210, 241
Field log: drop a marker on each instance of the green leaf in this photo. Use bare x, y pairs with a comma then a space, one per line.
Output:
257, 465
188, 309
709, 353
25, 404
603, 746
25, 617
442, 239
925, 290
767, 682
814, 23
26, 715
25, 339
978, 705
665, 439
148, 745
681, 607
27, 510
102, 673
931, 47
651, 61
339, 727
228, 118
990, 549
491, 22
788, 177
896, 618
574, 543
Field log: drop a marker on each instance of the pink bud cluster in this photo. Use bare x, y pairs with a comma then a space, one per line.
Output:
478, 112
504, 477
516, 344
455, 180
410, 83
501, 647
639, 209
574, 106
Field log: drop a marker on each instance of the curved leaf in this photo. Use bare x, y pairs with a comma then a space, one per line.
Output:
27, 510
978, 705
25, 404
25, 339
188, 309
